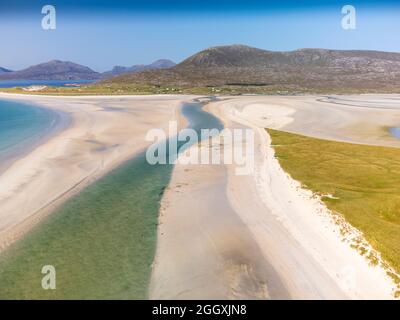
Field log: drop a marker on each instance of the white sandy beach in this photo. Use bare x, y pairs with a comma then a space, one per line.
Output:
221, 236
104, 132
212, 248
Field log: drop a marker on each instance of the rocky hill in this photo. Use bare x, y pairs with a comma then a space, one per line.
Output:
4, 70
239, 65
53, 70
159, 64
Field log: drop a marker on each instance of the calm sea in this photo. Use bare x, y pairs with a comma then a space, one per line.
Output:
101, 241
50, 83
24, 126
395, 132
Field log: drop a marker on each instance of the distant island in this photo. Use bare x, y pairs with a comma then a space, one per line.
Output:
65, 70
53, 70
234, 69
159, 64
4, 70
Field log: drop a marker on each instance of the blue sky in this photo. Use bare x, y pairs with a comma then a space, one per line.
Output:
101, 34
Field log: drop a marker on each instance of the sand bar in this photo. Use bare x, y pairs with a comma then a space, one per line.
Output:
104, 132
220, 235
284, 231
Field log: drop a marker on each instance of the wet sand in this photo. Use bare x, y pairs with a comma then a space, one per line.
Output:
290, 247
221, 236
103, 133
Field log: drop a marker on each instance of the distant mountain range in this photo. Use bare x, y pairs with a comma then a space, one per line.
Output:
239, 65
4, 70
159, 64
242, 66
53, 70
65, 70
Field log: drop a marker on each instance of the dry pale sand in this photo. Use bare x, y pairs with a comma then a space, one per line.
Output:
204, 249
104, 132
262, 236
358, 118
220, 235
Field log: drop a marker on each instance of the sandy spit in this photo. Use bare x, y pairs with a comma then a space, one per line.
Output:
224, 236
104, 132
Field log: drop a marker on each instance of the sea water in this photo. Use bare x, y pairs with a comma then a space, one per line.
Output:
49, 83
395, 132
22, 127
102, 241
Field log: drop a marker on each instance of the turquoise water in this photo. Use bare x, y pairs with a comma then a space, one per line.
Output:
50, 83
102, 241
23, 126
395, 132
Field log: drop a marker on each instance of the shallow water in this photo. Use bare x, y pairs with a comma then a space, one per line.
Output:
102, 242
24, 126
395, 132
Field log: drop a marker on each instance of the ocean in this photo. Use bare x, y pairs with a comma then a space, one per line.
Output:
49, 83
23, 127
395, 132
103, 240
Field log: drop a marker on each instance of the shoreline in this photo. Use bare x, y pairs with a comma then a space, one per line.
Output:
250, 245
61, 121
289, 229
298, 213
105, 132
205, 252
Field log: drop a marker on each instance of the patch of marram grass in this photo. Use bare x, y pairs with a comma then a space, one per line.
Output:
363, 183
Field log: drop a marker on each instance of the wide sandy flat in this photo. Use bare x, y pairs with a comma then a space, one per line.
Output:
104, 132
261, 235
221, 236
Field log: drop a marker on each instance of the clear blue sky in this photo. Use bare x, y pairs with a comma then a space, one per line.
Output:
101, 34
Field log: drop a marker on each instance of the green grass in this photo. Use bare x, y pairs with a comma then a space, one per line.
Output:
101, 242
134, 89
365, 179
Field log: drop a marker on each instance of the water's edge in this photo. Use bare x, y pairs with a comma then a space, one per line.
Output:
54, 122
49, 83
395, 132
102, 241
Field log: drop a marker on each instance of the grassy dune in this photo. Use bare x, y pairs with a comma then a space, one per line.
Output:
363, 180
